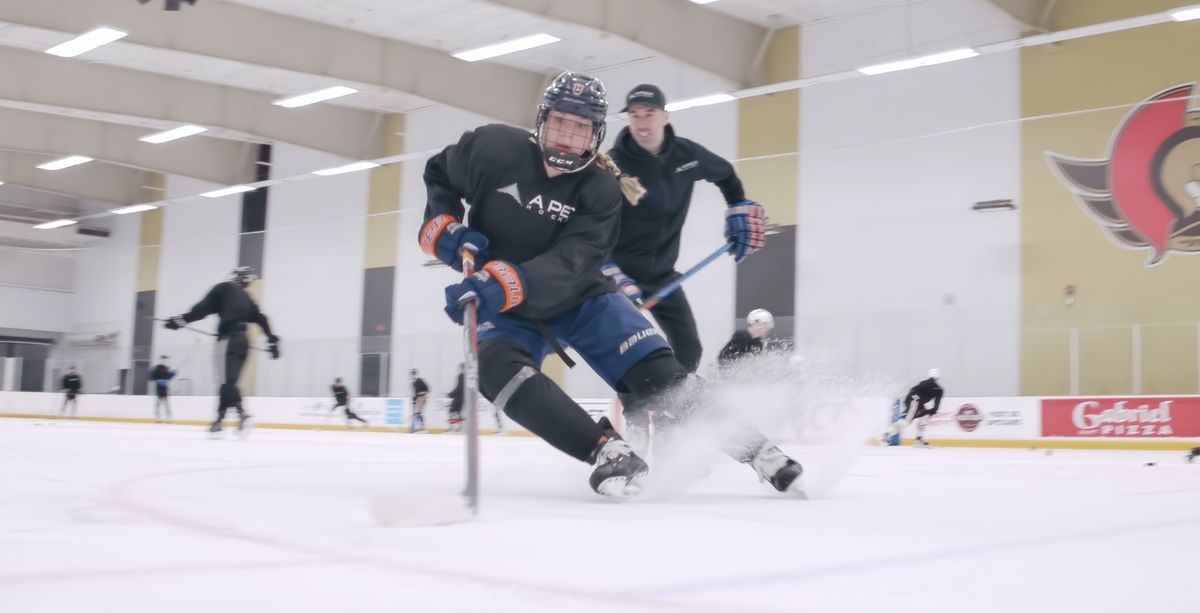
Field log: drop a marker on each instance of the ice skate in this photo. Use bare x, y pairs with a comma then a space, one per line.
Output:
214, 430
782, 472
618, 470
921, 442
245, 426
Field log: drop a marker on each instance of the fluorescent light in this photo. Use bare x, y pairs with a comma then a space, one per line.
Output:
1, 182
506, 47
928, 60
1187, 14
321, 95
67, 162
703, 1
228, 191
136, 208
86, 42
701, 101
172, 134
57, 223
337, 170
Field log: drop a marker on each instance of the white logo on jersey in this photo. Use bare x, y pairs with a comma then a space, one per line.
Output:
511, 190
690, 165
556, 210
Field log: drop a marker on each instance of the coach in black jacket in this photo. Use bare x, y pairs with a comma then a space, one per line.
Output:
648, 245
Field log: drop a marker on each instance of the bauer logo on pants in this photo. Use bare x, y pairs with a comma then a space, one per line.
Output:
634, 339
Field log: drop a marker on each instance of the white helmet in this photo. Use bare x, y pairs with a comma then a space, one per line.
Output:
934, 373
760, 317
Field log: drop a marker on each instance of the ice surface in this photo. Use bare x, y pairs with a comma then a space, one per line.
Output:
156, 519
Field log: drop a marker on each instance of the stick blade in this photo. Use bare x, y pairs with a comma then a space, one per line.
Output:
403, 509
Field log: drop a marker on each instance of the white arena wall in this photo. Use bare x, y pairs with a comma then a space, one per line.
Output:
1102, 422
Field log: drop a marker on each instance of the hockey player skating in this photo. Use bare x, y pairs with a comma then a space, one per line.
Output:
921, 403
341, 398
759, 323
456, 402
544, 214
161, 377
235, 309
72, 384
420, 395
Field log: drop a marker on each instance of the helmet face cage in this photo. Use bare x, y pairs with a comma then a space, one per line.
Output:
242, 275
578, 95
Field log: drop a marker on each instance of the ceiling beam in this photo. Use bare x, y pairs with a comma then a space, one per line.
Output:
47, 80
221, 161
1033, 14
94, 181
262, 38
706, 39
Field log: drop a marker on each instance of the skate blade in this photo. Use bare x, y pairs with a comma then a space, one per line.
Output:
621, 488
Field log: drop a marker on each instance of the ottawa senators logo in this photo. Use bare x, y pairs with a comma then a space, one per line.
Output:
1146, 194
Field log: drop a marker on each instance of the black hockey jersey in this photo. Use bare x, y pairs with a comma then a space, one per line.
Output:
560, 230
72, 382
419, 388
648, 244
742, 344
161, 373
340, 393
232, 305
925, 391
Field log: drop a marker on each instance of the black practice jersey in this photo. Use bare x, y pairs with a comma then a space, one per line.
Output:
925, 391
457, 392
419, 387
742, 344
649, 239
72, 383
559, 230
161, 373
234, 307
340, 394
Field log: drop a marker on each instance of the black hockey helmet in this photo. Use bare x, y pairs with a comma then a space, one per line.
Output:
242, 275
580, 95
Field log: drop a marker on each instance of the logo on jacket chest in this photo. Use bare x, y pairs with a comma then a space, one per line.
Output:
543, 206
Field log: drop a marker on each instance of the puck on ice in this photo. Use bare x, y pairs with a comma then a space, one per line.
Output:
1150, 463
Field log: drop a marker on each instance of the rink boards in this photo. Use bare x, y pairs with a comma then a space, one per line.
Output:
1101, 422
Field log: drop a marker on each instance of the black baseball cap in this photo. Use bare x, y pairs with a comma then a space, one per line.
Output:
645, 95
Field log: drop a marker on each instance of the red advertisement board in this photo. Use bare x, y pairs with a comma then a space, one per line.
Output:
1122, 417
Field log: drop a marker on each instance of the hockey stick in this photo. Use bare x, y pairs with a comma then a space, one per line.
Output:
670, 288
214, 334
471, 390
408, 509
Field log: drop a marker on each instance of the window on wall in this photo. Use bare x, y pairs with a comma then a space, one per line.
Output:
374, 376
33, 354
